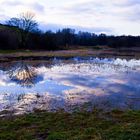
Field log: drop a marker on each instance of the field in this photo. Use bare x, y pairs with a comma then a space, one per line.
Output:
95, 125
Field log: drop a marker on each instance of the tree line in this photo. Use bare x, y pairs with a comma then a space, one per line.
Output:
23, 33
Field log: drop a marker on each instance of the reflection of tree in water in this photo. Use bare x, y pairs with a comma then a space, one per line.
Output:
23, 74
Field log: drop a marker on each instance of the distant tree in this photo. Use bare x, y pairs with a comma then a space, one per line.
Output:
68, 36
25, 24
102, 39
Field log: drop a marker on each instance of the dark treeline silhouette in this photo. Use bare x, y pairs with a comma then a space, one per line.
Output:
62, 39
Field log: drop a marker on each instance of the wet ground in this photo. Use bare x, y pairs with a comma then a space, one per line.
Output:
102, 83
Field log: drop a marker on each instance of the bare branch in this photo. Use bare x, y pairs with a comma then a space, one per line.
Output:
25, 25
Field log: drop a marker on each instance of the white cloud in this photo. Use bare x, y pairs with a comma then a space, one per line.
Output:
121, 16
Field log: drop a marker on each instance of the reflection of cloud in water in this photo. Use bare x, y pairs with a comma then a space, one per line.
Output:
41, 87
108, 83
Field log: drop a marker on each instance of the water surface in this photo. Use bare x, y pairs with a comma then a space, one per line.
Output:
104, 83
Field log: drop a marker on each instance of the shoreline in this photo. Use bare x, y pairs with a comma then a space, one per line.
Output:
67, 54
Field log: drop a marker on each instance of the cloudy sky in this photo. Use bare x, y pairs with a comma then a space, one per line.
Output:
108, 16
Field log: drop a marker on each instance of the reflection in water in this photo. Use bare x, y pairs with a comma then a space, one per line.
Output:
106, 83
23, 74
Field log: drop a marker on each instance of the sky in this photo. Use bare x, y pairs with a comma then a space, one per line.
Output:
116, 17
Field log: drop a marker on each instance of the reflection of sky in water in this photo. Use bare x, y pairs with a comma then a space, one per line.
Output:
41, 87
115, 80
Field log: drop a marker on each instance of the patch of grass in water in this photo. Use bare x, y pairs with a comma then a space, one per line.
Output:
115, 125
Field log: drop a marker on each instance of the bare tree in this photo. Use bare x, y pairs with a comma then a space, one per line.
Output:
25, 24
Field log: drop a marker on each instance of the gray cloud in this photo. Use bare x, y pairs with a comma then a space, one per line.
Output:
118, 16
87, 8
56, 27
131, 3
38, 7
12, 3
127, 10
132, 13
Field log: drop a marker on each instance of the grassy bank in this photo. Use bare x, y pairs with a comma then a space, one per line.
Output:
9, 55
115, 125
